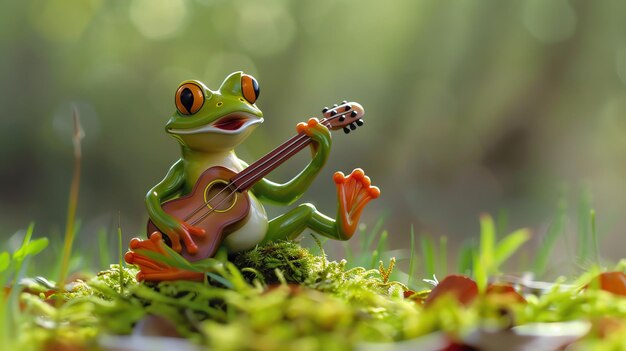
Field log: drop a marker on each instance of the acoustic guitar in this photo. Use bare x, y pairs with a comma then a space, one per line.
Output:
219, 200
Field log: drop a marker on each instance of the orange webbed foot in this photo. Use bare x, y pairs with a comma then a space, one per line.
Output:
153, 270
354, 192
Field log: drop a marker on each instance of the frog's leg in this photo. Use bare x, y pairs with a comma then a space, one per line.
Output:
154, 270
353, 192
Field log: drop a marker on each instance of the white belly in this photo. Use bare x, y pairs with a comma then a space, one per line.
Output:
252, 232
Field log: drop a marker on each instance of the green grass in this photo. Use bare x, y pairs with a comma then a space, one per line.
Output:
251, 294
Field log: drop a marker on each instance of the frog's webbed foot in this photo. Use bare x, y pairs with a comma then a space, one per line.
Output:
354, 192
153, 270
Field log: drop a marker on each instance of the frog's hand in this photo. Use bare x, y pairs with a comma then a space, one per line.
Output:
353, 192
153, 270
183, 231
322, 141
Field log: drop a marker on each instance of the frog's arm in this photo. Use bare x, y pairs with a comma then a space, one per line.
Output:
172, 227
165, 189
289, 192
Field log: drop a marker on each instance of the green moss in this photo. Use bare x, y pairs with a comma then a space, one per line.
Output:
294, 261
280, 297
297, 265
105, 285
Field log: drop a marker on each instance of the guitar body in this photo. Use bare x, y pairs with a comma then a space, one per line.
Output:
212, 205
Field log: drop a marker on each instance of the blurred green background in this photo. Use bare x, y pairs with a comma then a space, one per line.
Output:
505, 107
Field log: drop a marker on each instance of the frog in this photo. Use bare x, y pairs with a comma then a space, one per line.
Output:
208, 125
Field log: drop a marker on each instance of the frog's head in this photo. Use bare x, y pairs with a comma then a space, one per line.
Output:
207, 120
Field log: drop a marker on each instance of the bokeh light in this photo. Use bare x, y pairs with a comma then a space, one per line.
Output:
550, 21
158, 19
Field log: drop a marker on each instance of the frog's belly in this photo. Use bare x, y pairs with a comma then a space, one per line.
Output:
252, 232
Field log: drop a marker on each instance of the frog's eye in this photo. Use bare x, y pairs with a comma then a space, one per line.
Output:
189, 98
249, 88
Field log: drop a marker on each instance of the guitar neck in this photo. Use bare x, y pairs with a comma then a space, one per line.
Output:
347, 116
245, 179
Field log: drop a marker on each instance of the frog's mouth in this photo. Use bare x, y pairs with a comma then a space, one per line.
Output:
233, 123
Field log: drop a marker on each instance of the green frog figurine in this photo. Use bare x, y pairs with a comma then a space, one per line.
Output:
211, 199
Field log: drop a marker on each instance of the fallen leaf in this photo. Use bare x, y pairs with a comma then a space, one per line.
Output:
461, 287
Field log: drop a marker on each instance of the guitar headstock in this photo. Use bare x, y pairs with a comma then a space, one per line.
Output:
347, 115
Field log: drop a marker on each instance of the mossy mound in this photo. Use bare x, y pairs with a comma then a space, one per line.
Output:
294, 263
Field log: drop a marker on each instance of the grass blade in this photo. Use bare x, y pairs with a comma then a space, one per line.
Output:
428, 251
594, 236
487, 242
466, 258
369, 238
36, 246
120, 253
584, 208
171, 258
509, 245
380, 248
72, 202
5, 260
556, 228
20, 253
480, 273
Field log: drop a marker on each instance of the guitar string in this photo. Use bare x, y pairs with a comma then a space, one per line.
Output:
262, 164
304, 139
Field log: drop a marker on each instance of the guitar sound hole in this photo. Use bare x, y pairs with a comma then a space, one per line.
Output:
219, 196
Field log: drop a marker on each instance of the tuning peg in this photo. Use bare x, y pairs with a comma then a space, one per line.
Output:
359, 122
333, 112
353, 114
352, 126
325, 109
335, 105
342, 118
347, 108
346, 130
344, 102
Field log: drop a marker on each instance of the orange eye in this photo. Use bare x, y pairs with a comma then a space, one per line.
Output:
189, 98
249, 88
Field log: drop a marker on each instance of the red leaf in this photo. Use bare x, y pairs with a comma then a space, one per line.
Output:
461, 287
614, 282
505, 289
